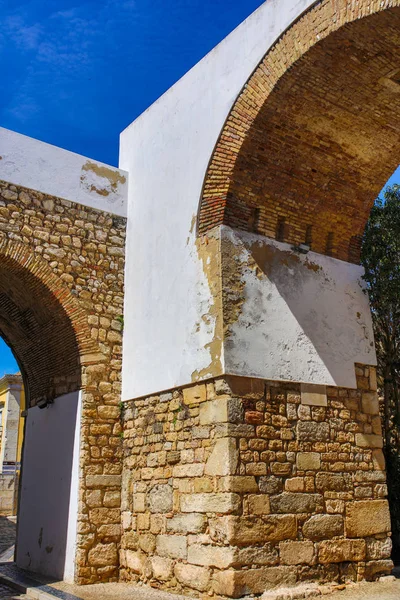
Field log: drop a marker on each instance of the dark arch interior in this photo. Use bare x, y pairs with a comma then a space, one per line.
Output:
325, 141
34, 324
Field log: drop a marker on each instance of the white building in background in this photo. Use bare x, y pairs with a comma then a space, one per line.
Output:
12, 402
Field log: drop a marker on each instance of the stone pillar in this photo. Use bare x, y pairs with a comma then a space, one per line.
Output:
239, 485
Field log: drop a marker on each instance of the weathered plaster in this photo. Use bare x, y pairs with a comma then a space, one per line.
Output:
209, 252
166, 152
292, 317
33, 164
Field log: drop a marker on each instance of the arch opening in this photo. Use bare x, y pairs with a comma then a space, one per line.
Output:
43, 339
314, 145
35, 325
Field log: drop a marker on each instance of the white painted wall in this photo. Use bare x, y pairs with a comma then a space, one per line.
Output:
11, 424
51, 170
49, 488
166, 152
305, 318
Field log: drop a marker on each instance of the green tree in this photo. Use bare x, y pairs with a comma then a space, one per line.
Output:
380, 257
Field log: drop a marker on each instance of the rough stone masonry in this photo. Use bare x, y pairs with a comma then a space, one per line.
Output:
247, 451
237, 485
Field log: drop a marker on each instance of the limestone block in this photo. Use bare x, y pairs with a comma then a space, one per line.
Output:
270, 485
288, 503
296, 553
112, 499
126, 520
313, 395
131, 540
376, 423
109, 412
103, 481
336, 551
238, 483
323, 527
224, 458
224, 503
259, 505
308, 461
143, 521
245, 387
364, 440
195, 394
333, 482
201, 433
296, 484
247, 531
161, 499
105, 516
236, 584
221, 557
335, 506
377, 568
257, 468
379, 549
310, 431
192, 576
266, 555
214, 411
103, 555
204, 485
370, 403
172, 546
93, 498
111, 532
188, 470
162, 568
147, 542
138, 563
372, 379
188, 523
367, 517
139, 503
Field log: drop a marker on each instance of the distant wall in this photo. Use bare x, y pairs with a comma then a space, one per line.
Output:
47, 491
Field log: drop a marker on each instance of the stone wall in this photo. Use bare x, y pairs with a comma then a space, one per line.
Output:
61, 306
8, 494
240, 485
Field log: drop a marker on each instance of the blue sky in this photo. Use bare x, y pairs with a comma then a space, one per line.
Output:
76, 73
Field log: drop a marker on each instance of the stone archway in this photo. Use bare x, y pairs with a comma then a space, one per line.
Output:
274, 457
312, 138
61, 295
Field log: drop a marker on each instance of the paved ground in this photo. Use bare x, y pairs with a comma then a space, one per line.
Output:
7, 538
7, 593
386, 590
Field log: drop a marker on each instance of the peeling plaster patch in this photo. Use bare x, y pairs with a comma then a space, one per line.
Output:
192, 228
101, 180
290, 317
233, 285
209, 252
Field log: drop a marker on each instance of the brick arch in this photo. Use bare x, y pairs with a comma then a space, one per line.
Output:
312, 137
42, 322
